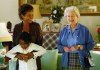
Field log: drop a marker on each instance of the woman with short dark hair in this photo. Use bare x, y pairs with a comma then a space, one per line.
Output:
27, 25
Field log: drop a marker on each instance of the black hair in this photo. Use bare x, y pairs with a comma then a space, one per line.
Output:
26, 37
23, 9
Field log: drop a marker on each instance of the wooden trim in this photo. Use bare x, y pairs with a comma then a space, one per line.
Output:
20, 2
90, 14
97, 48
82, 14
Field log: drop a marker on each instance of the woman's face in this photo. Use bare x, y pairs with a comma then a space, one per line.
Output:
72, 18
28, 17
23, 44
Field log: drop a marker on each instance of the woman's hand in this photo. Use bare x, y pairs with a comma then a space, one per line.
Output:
19, 56
76, 47
81, 47
30, 55
24, 57
66, 49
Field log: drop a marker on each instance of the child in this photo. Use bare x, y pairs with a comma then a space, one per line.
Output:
26, 52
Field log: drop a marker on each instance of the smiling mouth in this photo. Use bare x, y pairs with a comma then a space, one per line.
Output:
71, 20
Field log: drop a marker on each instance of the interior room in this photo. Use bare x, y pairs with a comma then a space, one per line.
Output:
44, 10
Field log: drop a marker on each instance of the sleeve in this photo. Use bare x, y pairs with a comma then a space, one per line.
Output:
89, 40
59, 45
40, 50
15, 36
39, 39
12, 53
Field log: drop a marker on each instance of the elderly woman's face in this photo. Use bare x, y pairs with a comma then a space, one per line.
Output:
72, 18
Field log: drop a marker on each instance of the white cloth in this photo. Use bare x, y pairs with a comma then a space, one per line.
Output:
31, 63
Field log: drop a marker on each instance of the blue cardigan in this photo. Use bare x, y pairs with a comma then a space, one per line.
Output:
84, 38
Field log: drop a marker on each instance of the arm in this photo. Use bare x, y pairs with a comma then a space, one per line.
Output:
40, 50
24, 57
59, 45
76, 47
89, 40
12, 53
84, 42
39, 35
15, 35
15, 53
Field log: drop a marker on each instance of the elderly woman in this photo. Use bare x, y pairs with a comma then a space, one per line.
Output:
74, 40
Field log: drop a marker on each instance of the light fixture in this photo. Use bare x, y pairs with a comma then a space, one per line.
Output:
36, 12
4, 37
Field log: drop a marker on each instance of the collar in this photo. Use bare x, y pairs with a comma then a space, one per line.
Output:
77, 27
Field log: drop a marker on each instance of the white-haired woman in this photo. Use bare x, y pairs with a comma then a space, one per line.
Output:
74, 40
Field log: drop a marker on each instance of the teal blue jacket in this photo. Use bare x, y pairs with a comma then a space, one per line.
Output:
84, 38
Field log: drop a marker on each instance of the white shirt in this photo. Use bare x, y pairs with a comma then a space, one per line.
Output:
31, 63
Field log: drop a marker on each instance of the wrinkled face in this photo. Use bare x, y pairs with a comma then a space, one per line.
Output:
28, 17
72, 18
23, 44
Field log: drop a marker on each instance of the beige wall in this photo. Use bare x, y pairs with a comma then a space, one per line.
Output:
9, 12
91, 22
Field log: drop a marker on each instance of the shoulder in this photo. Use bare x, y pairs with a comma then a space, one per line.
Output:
82, 26
35, 24
66, 28
33, 44
19, 24
17, 47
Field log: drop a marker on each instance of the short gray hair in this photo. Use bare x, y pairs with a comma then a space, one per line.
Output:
72, 8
